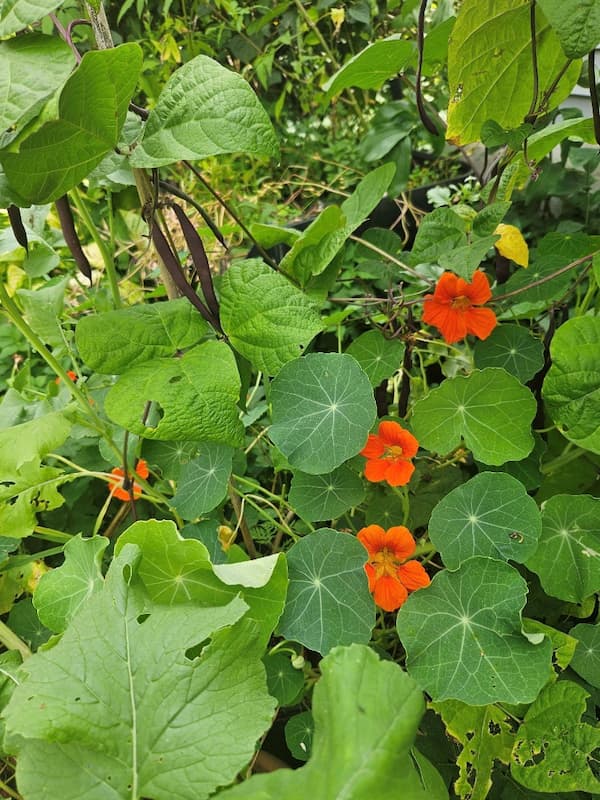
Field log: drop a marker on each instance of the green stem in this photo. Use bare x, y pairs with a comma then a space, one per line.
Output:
425, 549
12, 642
562, 460
10, 792
107, 258
51, 535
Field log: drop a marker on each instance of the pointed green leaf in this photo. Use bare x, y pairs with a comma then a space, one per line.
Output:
323, 409
567, 559
91, 112
31, 441
586, 660
320, 497
571, 388
513, 348
27, 492
42, 309
489, 409
576, 23
203, 482
366, 714
370, 68
554, 750
119, 694
379, 357
328, 601
61, 592
464, 260
204, 110
18, 14
490, 515
490, 46
267, 319
463, 638
440, 232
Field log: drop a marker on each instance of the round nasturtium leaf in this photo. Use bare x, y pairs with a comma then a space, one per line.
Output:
566, 559
323, 409
513, 348
490, 515
489, 409
571, 390
203, 482
299, 732
586, 660
378, 356
463, 639
320, 497
328, 601
283, 680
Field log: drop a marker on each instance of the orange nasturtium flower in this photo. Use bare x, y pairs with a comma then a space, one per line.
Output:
71, 375
451, 307
117, 490
388, 454
391, 576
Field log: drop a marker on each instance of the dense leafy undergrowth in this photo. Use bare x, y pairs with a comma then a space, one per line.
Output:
321, 496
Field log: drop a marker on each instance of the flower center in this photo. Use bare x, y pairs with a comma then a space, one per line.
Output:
393, 451
384, 562
461, 303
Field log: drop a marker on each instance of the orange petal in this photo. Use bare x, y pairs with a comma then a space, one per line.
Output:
373, 537
434, 312
478, 291
480, 321
371, 577
399, 539
392, 433
142, 469
399, 473
413, 576
447, 288
450, 322
389, 593
376, 470
409, 444
373, 448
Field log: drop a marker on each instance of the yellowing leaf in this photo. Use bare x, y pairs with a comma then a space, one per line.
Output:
511, 244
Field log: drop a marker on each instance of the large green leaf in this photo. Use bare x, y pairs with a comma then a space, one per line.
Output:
490, 47
31, 68
204, 379
175, 570
370, 68
513, 348
320, 497
554, 750
440, 232
366, 714
575, 22
141, 333
489, 409
31, 441
571, 389
379, 357
328, 601
61, 592
490, 515
120, 695
323, 409
204, 110
566, 559
267, 319
91, 112
485, 735
17, 14
28, 491
203, 481
463, 639
586, 659
543, 141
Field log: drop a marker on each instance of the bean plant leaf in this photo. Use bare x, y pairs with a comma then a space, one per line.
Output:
18, 14
204, 110
379, 357
119, 694
32, 68
440, 232
576, 23
586, 659
370, 68
490, 515
203, 482
490, 46
323, 409
115, 341
485, 735
175, 571
267, 319
464, 260
31, 441
320, 497
489, 409
571, 389
463, 638
567, 559
62, 591
25, 493
328, 601
513, 348
366, 714
91, 112
204, 379
554, 750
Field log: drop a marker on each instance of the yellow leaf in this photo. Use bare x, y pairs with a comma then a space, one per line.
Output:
511, 244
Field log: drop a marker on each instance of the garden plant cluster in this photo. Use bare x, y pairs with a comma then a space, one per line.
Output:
300, 400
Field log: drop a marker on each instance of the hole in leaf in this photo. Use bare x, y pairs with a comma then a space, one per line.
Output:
196, 651
175, 379
153, 417
142, 618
